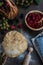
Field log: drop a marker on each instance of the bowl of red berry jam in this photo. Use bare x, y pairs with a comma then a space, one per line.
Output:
34, 20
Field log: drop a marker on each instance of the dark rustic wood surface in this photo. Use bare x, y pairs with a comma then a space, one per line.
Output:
35, 59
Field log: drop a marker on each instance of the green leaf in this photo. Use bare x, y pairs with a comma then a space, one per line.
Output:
37, 1
1, 3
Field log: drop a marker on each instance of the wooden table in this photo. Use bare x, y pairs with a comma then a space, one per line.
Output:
35, 60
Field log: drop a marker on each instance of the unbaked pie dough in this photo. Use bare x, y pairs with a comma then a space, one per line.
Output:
14, 44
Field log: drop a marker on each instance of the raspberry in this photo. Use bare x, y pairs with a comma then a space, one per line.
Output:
33, 19
27, 19
20, 25
38, 25
7, 4
12, 27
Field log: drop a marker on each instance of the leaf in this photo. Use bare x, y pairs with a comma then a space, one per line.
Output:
37, 1
1, 3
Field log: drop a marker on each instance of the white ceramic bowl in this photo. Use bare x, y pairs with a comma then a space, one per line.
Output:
28, 25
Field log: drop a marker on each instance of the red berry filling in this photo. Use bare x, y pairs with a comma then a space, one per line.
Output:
33, 20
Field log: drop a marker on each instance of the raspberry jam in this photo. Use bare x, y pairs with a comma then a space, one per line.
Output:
33, 20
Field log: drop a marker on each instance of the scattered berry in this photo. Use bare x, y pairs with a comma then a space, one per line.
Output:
20, 26
12, 27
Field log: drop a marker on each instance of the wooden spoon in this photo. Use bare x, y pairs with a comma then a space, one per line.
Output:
41, 20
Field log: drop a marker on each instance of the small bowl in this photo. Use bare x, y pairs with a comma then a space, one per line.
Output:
34, 29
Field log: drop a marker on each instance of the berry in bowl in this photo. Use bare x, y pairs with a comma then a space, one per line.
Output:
34, 20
